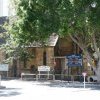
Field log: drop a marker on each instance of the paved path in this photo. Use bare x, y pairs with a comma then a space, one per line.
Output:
32, 90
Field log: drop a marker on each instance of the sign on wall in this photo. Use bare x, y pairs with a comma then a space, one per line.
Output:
4, 67
43, 68
74, 60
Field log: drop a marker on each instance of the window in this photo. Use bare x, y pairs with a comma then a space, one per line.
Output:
44, 58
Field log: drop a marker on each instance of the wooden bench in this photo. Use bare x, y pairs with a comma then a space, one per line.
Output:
37, 76
27, 74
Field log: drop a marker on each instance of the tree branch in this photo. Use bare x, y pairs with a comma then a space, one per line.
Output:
77, 42
95, 45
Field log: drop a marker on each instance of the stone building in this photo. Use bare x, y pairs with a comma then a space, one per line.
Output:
53, 54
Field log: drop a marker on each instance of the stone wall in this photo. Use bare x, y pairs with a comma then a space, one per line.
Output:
2, 56
37, 60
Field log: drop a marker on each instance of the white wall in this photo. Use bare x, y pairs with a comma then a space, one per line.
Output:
3, 7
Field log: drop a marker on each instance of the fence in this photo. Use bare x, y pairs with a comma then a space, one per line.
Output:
46, 76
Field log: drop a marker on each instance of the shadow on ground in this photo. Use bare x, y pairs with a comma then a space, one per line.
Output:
7, 92
60, 84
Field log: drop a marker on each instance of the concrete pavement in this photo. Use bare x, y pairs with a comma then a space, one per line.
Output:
48, 90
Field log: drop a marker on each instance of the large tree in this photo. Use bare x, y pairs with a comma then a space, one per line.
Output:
85, 30
38, 19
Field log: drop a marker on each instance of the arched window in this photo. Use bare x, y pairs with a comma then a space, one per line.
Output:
44, 58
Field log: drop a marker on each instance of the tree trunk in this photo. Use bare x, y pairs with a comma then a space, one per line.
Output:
95, 70
84, 49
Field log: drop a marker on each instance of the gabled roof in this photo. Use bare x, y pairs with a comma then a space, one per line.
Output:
52, 40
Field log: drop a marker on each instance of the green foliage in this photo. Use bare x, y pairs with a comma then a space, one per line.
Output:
37, 19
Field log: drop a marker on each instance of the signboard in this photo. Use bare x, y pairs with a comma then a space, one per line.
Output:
43, 68
84, 73
4, 67
74, 60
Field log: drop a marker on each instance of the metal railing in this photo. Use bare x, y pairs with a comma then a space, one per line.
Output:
67, 77
51, 76
37, 76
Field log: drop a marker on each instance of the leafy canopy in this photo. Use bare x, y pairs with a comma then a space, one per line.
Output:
38, 19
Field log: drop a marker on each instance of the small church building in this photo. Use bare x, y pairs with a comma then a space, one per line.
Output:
53, 54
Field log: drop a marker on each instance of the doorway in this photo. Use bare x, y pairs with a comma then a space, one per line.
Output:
60, 65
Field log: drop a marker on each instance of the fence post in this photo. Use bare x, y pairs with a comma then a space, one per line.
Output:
0, 80
84, 75
36, 77
53, 77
